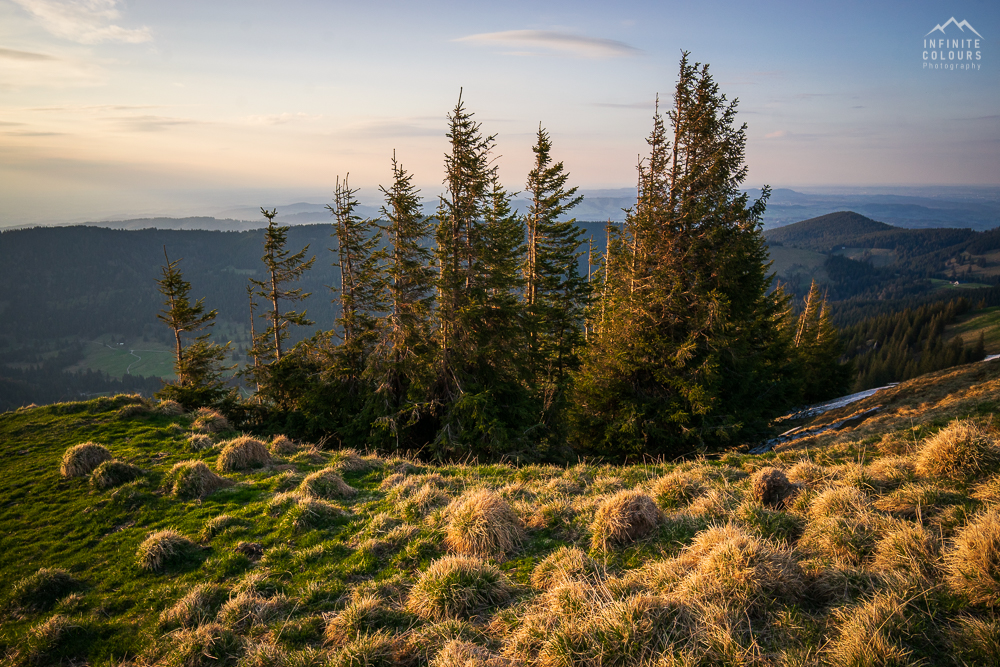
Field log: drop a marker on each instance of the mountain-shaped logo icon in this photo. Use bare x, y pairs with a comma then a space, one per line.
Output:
961, 26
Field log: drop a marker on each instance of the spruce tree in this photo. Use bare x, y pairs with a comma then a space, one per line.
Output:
690, 352
276, 379
198, 365
556, 294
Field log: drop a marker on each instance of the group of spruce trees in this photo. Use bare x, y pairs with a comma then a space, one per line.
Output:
476, 331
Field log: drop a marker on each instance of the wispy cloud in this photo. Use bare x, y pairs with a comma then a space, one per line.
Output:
526, 42
26, 56
281, 118
149, 123
776, 135
84, 21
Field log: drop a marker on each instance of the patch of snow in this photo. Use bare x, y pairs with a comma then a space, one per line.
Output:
820, 408
992, 357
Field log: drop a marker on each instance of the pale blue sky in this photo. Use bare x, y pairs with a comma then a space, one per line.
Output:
147, 107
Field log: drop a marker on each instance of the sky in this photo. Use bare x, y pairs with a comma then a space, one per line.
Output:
114, 109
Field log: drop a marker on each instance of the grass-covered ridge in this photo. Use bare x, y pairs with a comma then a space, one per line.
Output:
878, 544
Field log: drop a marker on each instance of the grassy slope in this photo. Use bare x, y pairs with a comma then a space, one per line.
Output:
784, 588
969, 327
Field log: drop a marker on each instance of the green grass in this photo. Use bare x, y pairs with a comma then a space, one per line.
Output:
786, 258
969, 327
376, 547
939, 284
147, 358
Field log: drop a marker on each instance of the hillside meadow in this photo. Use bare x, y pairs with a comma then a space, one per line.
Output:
135, 534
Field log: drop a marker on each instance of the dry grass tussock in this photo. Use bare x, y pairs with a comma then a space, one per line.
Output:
377, 649
205, 646
169, 407
848, 540
308, 513
458, 587
838, 501
208, 420
973, 561
363, 615
908, 548
676, 489
326, 484
807, 473
458, 653
917, 500
249, 608
977, 640
962, 451
197, 607
114, 473
194, 479
80, 460
198, 442
349, 460
242, 453
871, 632
162, 549
770, 486
481, 523
41, 590
46, 642
889, 472
282, 445
624, 517
562, 565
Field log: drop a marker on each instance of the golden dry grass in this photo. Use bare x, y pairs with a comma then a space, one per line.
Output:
869, 633
80, 460
562, 565
676, 489
197, 607
242, 453
326, 484
199, 442
624, 517
962, 451
770, 487
162, 548
169, 407
208, 420
973, 561
282, 445
908, 548
481, 523
458, 587
194, 479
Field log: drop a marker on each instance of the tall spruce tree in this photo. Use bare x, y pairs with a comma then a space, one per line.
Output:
556, 294
274, 378
690, 352
199, 364
361, 291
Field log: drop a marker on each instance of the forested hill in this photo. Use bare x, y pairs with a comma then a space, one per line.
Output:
89, 281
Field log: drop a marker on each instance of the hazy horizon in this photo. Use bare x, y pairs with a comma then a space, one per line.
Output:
112, 109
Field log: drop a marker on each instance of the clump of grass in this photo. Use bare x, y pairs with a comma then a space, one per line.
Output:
907, 548
916, 499
422, 643
198, 442
209, 645
349, 460
128, 411
326, 484
208, 420
563, 564
248, 608
962, 451
770, 487
426, 499
481, 523
198, 606
624, 517
242, 453
41, 590
312, 513
219, 524
194, 479
807, 472
80, 460
371, 650
622, 632
870, 632
282, 445
973, 562
848, 540
977, 640
362, 616
169, 407
838, 501
53, 641
163, 549
458, 653
458, 587
892, 471
114, 473
676, 489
